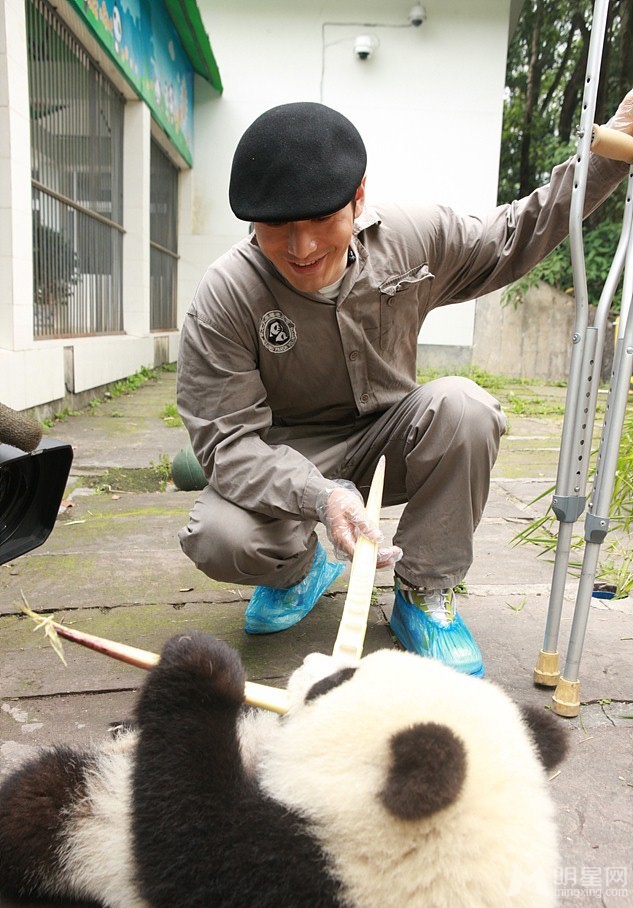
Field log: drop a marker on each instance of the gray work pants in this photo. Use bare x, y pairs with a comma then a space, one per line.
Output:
440, 442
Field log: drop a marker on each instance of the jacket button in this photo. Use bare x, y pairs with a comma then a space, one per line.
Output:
364, 398
354, 354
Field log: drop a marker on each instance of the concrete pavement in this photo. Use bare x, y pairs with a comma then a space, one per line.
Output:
112, 566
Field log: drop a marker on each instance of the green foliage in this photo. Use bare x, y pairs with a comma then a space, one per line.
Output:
520, 605
133, 382
617, 567
162, 470
599, 243
133, 479
171, 417
58, 416
478, 375
533, 406
545, 79
543, 57
484, 379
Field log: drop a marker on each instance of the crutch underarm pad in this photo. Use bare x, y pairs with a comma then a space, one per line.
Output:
612, 143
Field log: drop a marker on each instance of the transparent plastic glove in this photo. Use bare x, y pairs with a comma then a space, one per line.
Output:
342, 511
388, 557
623, 118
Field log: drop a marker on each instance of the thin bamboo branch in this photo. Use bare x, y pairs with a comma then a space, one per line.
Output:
273, 699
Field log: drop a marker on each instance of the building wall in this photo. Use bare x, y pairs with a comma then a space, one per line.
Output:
41, 373
428, 103
533, 340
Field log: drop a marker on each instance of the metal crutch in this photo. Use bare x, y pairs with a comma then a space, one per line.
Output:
569, 497
566, 698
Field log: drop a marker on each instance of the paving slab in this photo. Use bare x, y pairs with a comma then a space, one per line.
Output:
31, 667
125, 431
112, 566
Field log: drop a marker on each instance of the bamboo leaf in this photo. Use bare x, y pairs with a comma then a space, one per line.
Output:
45, 623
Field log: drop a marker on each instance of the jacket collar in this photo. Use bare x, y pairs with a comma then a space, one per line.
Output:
368, 218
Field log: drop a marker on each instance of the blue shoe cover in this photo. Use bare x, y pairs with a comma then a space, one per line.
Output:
276, 610
452, 644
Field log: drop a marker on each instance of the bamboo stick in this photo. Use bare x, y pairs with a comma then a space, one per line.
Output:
273, 699
351, 633
349, 641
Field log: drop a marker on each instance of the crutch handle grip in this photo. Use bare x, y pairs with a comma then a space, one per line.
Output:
612, 143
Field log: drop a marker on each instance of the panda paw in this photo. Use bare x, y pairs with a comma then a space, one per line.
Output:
549, 736
196, 663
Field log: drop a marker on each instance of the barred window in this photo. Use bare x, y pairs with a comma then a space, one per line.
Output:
77, 184
163, 240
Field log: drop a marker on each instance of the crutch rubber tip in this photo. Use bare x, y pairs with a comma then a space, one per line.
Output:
546, 671
566, 698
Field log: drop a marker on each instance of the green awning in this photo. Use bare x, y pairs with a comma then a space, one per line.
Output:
195, 42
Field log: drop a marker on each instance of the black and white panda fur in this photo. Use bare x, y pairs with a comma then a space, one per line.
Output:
399, 781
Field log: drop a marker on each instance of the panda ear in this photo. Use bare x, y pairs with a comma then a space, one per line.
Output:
550, 737
428, 767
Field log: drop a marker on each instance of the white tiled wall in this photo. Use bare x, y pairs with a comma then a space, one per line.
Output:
136, 200
15, 186
411, 103
32, 373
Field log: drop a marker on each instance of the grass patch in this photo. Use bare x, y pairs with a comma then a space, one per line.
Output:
616, 566
58, 416
513, 402
484, 379
171, 416
139, 479
118, 389
533, 406
133, 382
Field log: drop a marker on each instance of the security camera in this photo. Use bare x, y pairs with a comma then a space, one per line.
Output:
417, 15
364, 46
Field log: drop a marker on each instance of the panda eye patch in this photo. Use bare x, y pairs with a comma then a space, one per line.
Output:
327, 684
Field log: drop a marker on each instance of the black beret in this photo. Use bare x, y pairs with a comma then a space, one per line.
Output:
296, 161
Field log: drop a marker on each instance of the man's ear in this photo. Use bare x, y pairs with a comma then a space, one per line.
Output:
550, 737
359, 199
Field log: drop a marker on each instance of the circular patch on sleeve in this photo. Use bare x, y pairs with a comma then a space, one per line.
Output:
277, 332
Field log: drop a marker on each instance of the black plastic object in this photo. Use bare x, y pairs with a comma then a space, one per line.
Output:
31, 489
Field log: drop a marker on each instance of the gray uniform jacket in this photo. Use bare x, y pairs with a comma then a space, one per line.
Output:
261, 362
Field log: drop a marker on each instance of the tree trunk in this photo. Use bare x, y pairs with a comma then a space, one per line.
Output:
526, 170
572, 95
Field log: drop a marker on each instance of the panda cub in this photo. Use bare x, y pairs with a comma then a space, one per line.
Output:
396, 781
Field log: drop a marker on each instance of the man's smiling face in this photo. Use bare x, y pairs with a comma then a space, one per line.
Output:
311, 254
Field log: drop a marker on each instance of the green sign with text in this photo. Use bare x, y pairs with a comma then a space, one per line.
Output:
141, 38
